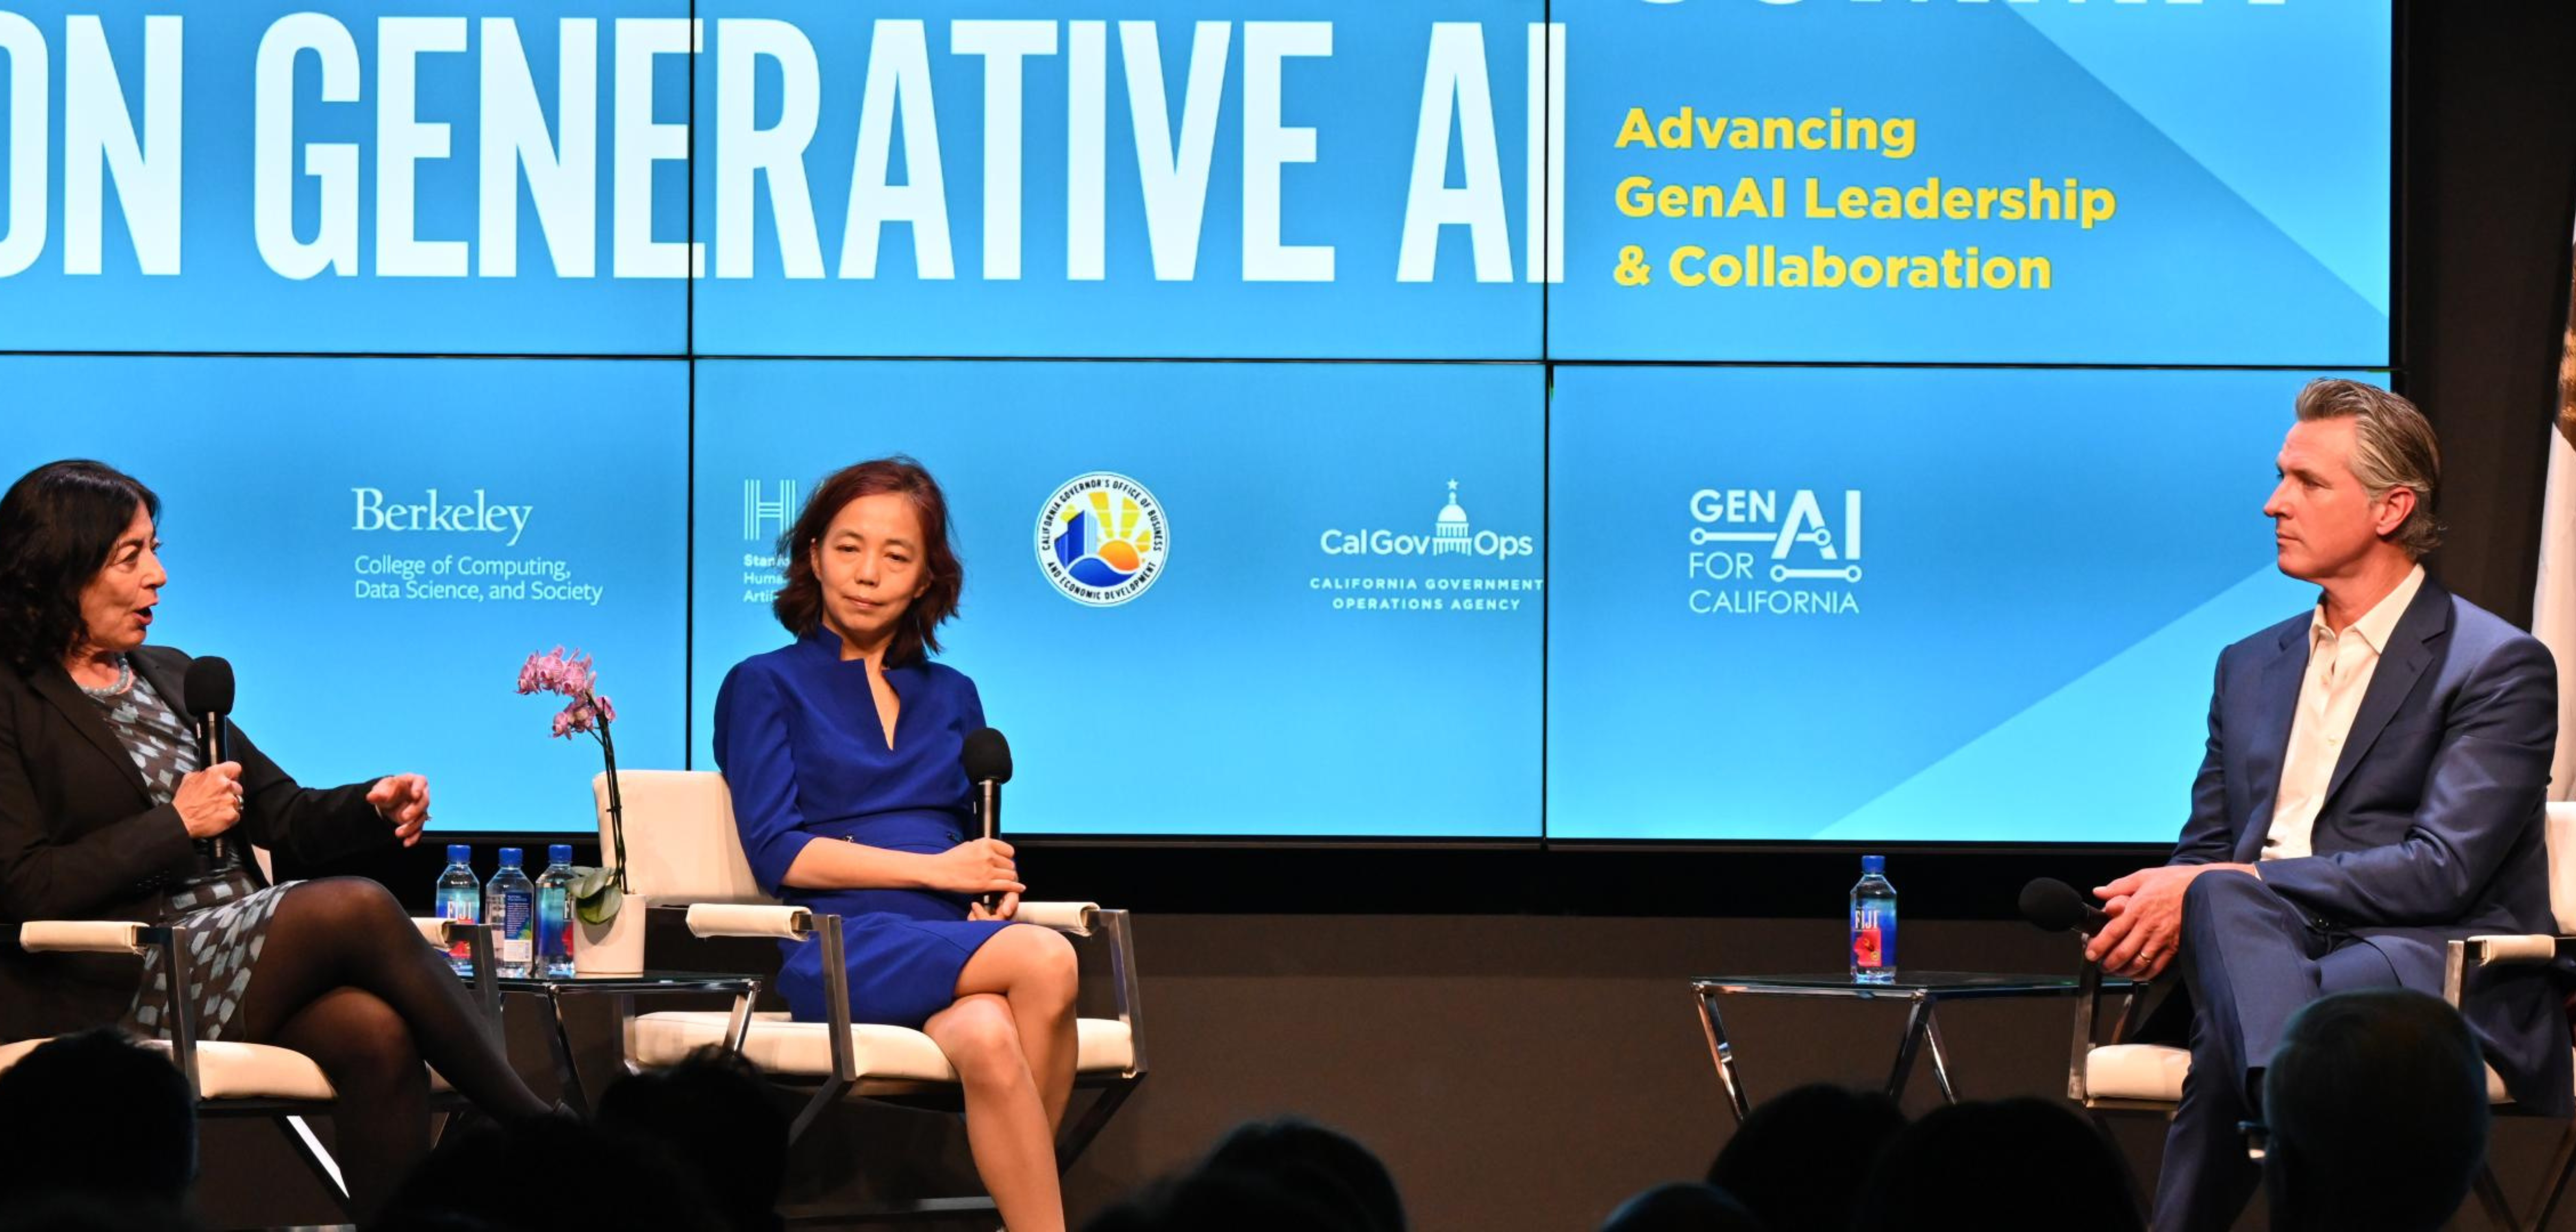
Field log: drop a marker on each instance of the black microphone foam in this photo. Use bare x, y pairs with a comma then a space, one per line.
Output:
208, 687
987, 756
2056, 907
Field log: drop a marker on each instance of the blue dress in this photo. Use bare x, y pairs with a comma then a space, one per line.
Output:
802, 749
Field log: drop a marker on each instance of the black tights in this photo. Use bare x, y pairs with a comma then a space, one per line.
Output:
344, 979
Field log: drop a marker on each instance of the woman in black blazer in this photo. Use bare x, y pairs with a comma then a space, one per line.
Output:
106, 812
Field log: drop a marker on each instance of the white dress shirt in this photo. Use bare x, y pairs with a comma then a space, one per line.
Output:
2340, 666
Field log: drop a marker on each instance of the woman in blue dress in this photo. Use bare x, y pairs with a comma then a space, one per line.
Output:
841, 751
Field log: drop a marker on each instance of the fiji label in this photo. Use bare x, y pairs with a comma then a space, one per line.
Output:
1873, 938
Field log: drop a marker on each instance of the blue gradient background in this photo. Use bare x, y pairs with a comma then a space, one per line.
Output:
2253, 229
1362, 101
1225, 699
2052, 562
226, 298
2253, 223
2055, 555
254, 460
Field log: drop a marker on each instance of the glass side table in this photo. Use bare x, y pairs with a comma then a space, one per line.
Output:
1921, 990
557, 990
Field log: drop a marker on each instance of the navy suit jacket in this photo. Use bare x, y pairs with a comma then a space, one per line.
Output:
2432, 823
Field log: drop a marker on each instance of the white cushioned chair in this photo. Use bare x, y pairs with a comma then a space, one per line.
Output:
683, 852
2130, 1077
236, 1079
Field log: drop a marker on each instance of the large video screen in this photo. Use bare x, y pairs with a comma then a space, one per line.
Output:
1865, 604
1670, 420
378, 544
1326, 620
2026, 183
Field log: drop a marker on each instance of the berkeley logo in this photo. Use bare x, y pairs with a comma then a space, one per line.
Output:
436, 517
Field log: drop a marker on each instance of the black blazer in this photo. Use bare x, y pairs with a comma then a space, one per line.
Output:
80, 837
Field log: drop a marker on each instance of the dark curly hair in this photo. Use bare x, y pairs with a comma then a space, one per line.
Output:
57, 525
799, 605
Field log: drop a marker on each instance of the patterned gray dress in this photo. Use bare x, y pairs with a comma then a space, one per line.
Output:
222, 905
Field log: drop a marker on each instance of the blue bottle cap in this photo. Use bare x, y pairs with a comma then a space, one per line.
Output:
459, 853
559, 853
510, 857
1873, 864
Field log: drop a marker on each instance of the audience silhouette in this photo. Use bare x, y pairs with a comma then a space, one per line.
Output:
95, 1122
2377, 1110
1324, 1163
545, 1174
713, 1113
2001, 1165
2376, 1106
1792, 1161
1684, 1206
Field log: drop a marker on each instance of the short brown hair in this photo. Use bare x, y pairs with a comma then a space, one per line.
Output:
799, 605
2393, 447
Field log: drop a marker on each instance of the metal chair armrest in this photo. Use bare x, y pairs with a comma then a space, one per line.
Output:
750, 920
83, 936
2498, 950
130, 937
1083, 919
442, 934
2088, 1003
1120, 927
1076, 919
437, 930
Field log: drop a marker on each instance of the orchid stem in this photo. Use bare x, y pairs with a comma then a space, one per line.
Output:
616, 805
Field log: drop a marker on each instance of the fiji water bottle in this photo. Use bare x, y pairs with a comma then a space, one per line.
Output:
1873, 924
554, 913
510, 906
460, 897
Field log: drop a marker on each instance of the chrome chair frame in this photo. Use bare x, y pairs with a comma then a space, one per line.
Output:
2088, 1013
685, 853
846, 1081
286, 1113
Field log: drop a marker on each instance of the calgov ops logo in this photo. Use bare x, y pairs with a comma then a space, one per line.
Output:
1457, 567
1102, 539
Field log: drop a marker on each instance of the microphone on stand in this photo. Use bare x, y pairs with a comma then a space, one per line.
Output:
208, 694
987, 759
2055, 906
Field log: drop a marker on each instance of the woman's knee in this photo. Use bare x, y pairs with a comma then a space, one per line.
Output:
355, 904
979, 1037
359, 1040
1047, 968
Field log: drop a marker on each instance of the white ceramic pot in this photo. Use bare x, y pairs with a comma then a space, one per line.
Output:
614, 948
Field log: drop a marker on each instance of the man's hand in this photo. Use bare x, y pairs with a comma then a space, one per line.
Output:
402, 799
2146, 918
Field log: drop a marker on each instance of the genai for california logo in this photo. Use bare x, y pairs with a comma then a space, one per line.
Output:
1102, 539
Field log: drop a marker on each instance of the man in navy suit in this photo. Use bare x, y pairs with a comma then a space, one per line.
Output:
2373, 788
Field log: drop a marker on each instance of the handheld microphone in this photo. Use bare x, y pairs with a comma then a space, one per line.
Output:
2055, 906
208, 694
987, 759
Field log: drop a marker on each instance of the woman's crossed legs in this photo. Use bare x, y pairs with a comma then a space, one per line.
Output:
1010, 1035
344, 979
